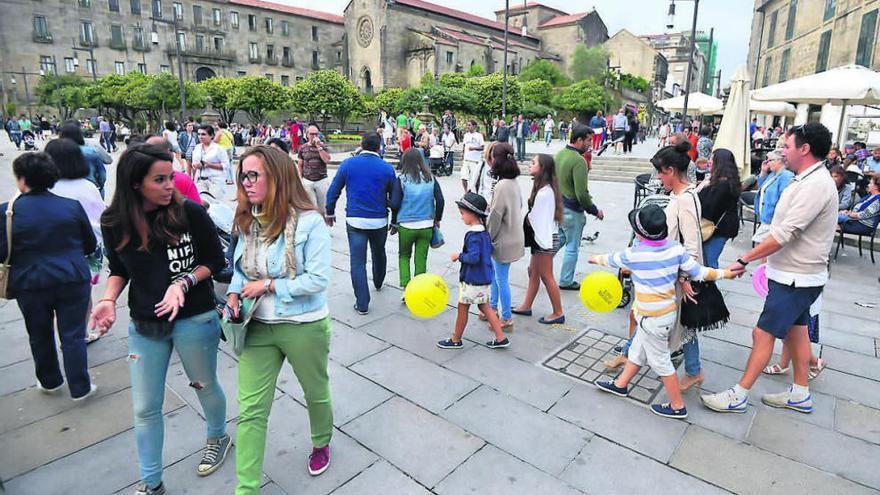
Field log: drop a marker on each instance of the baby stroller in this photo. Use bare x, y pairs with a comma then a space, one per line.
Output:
437, 161
29, 140
657, 197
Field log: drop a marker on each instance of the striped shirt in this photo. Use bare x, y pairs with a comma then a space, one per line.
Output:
655, 266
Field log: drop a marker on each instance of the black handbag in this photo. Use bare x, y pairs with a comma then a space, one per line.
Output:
709, 312
528, 232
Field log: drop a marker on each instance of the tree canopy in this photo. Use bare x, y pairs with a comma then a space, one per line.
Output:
66, 92
326, 92
585, 97
257, 96
220, 90
537, 91
544, 69
588, 62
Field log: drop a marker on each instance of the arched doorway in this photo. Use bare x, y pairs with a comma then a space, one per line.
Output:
367, 80
203, 73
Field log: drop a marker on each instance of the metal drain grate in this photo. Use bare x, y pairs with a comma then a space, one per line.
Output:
582, 359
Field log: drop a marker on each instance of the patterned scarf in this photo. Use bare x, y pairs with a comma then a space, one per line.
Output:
254, 241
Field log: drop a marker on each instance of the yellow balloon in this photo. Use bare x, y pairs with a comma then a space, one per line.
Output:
426, 295
601, 292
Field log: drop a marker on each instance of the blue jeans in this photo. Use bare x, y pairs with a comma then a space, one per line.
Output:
573, 223
548, 135
521, 148
499, 292
357, 247
195, 339
691, 354
712, 250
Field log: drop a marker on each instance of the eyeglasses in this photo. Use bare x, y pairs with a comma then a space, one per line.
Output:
249, 177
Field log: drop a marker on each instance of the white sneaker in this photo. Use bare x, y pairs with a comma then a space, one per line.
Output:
725, 401
783, 400
91, 392
45, 390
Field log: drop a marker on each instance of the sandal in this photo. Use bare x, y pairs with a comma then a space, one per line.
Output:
815, 370
775, 370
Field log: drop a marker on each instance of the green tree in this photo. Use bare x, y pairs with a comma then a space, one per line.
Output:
537, 91
64, 92
476, 70
440, 98
453, 80
636, 83
536, 110
112, 95
486, 92
427, 80
257, 96
588, 62
387, 99
327, 93
220, 90
544, 69
585, 97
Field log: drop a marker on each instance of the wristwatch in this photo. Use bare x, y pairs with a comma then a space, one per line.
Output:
742, 262
267, 284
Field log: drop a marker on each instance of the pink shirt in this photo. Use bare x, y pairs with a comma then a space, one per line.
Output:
187, 187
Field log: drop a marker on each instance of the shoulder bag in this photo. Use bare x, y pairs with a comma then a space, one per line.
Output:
235, 331
707, 227
709, 312
5, 267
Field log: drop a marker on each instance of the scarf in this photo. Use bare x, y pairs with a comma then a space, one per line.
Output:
254, 242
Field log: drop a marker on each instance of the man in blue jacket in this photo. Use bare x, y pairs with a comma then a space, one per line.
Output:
368, 181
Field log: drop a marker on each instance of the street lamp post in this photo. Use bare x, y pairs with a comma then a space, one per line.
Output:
91, 53
687, 83
154, 37
57, 85
27, 92
504, 78
608, 69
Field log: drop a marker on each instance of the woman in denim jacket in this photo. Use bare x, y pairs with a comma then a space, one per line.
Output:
774, 178
282, 260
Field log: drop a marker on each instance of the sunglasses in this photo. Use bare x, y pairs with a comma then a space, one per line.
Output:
249, 177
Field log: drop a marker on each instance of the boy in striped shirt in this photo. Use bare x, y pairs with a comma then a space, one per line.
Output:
655, 263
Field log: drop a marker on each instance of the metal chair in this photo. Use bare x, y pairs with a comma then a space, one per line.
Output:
858, 242
641, 191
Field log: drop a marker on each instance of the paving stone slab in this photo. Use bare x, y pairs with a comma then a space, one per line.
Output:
272, 488
853, 363
352, 394
418, 337
380, 307
348, 346
509, 476
857, 420
817, 447
534, 436
847, 341
288, 447
381, 479
752, 471
180, 478
525, 381
622, 421
605, 467
846, 386
389, 431
15, 348
16, 377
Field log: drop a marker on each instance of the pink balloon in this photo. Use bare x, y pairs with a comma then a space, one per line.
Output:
759, 281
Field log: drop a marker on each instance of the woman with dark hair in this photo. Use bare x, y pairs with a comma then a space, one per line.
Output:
416, 209
504, 225
542, 222
49, 276
704, 143
165, 248
170, 135
95, 160
278, 143
209, 161
720, 204
282, 266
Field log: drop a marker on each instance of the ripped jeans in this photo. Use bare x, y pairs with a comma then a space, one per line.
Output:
196, 339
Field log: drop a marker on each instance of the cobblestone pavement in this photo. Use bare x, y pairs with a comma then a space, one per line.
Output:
413, 419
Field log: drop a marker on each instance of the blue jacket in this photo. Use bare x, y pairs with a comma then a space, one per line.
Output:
97, 170
476, 259
308, 291
51, 237
416, 201
597, 122
765, 204
367, 180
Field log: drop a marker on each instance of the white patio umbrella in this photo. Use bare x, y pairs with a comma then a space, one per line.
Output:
733, 133
841, 86
780, 108
698, 103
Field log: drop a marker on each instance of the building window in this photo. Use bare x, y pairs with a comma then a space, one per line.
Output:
270, 76
138, 38
86, 33
157, 8
285, 80
46, 64
252, 22
116, 36
233, 20
120, 68
177, 8
771, 34
197, 15
792, 16
85, 3
216, 16
314, 33
113, 5
142, 68
783, 65
824, 46
339, 56
867, 37
41, 29
285, 55
91, 66
830, 7
69, 66
767, 63
253, 51
285, 28
316, 59
240, 73
449, 57
136, 7
200, 42
181, 40
218, 44
164, 69
269, 27
270, 52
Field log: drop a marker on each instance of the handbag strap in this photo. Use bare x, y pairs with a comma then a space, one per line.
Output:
9, 230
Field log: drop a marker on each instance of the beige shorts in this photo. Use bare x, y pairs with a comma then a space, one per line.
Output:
468, 169
651, 344
473, 294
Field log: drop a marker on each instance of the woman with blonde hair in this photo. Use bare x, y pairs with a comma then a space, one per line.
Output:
282, 263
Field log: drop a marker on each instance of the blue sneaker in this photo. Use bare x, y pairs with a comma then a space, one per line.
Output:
610, 387
725, 402
667, 411
449, 344
783, 400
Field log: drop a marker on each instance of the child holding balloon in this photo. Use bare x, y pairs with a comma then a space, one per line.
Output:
476, 273
655, 263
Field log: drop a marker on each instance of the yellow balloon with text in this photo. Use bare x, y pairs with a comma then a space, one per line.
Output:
426, 295
601, 292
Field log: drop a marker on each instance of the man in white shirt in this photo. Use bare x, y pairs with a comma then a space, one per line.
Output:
549, 125
209, 161
472, 153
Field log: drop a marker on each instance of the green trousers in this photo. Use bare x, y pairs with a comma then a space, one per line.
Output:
306, 347
421, 238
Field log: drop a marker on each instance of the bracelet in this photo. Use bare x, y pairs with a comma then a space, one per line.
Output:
182, 284
107, 299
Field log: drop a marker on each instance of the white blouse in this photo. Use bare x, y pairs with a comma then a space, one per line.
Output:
542, 218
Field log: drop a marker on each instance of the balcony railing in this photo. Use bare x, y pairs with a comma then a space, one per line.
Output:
255, 59
88, 42
223, 54
140, 47
42, 37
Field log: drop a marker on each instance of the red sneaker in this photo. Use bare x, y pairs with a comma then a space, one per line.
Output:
319, 461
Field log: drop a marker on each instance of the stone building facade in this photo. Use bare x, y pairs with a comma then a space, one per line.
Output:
635, 56
218, 37
675, 47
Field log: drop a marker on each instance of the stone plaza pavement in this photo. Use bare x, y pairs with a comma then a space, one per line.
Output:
414, 419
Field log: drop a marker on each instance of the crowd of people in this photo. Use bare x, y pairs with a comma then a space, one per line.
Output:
161, 244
